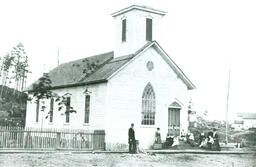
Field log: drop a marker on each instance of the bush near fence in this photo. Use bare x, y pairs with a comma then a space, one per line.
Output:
33, 138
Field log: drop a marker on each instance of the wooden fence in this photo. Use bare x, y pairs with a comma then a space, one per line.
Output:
30, 138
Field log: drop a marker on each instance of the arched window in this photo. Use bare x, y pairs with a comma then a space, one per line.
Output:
148, 106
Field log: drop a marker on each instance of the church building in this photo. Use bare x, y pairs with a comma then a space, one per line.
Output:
136, 83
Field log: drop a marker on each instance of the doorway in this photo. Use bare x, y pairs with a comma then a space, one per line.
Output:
174, 120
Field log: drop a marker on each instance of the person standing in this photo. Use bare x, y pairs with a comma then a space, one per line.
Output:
131, 139
210, 140
216, 144
158, 136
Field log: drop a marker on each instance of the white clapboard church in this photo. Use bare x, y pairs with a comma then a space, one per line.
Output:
136, 83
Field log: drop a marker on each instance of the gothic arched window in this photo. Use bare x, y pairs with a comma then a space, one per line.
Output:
148, 106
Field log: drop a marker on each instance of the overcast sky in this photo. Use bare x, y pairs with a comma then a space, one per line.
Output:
201, 36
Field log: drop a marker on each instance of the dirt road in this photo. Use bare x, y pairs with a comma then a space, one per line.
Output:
126, 160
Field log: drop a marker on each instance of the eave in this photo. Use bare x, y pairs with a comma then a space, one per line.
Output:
75, 85
141, 8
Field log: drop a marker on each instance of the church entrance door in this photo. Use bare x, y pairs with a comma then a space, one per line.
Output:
174, 121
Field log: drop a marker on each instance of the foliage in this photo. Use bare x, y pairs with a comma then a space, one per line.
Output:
12, 107
90, 67
42, 91
12, 121
7, 63
14, 66
20, 63
63, 102
205, 126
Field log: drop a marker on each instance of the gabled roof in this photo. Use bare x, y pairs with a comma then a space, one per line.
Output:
108, 69
142, 8
72, 73
168, 60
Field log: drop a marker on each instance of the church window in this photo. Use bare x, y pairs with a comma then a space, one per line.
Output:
67, 113
51, 110
87, 109
149, 29
123, 30
37, 109
150, 65
148, 106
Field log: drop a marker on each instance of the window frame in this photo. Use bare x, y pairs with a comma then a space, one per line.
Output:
148, 114
51, 110
124, 30
67, 112
87, 109
37, 110
149, 29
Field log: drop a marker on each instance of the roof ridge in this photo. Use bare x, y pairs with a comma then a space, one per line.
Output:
85, 58
122, 59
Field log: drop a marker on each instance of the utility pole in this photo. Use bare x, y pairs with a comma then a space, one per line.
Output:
227, 104
58, 54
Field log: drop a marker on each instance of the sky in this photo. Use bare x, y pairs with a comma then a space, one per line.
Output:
205, 38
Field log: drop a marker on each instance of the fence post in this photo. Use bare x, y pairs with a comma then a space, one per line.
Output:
92, 137
98, 139
58, 140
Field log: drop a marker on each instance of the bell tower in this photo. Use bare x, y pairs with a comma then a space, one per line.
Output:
135, 26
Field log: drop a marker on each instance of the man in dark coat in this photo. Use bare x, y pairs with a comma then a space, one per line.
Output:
131, 139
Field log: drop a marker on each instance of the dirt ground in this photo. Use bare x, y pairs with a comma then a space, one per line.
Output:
126, 160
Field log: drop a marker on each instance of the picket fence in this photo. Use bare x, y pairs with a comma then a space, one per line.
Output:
32, 138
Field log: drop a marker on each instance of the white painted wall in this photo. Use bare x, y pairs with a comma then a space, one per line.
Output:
124, 100
249, 123
117, 104
237, 126
135, 31
97, 109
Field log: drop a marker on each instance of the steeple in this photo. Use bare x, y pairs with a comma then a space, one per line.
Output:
135, 26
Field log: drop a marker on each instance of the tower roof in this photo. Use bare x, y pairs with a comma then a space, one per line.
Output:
137, 7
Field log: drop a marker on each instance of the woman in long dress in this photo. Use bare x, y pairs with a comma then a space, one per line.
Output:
158, 136
216, 144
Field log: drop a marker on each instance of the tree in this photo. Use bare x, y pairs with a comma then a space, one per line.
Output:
5, 68
42, 91
90, 67
14, 66
20, 63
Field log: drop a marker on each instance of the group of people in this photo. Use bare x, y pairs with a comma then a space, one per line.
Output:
210, 141
132, 140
